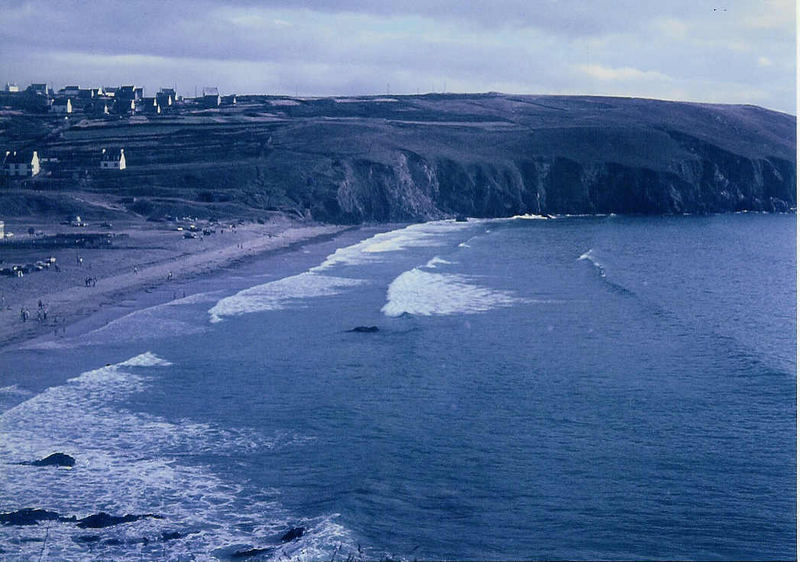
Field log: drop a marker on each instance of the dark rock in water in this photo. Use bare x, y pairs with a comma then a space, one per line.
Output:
29, 516
102, 519
364, 329
461, 218
250, 553
293, 533
56, 459
114, 542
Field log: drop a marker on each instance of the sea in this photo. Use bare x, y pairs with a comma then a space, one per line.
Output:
589, 387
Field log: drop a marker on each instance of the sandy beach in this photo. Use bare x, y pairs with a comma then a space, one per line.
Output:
142, 256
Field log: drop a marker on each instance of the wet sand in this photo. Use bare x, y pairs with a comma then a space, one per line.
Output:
151, 255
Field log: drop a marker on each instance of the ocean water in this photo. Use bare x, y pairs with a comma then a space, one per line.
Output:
575, 388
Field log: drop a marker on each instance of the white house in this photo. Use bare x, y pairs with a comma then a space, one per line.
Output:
21, 163
61, 106
112, 160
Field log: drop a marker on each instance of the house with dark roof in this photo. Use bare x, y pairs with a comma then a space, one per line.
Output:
211, 97
112, 159
166, 97
127, 92
124, 106
100, 106
70, 91
150, 106
38, 89
21, 163
61, 106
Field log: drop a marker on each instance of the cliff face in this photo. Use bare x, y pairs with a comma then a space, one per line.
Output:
417, 188
625, 156
424, 157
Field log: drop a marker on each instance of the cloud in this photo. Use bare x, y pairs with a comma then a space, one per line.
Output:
349, 47
601, 72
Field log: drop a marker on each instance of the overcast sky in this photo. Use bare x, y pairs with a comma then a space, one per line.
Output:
730, 51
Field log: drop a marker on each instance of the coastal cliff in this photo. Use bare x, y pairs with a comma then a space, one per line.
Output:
408, 158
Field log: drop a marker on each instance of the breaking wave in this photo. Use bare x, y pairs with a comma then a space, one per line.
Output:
433, 262
126, 463
369, 250
280, 294
317, 282
592, 258
426, 293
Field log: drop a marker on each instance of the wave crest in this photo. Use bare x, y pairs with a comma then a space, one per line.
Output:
426, 293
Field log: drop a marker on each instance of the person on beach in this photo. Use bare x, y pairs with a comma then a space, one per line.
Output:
169, 276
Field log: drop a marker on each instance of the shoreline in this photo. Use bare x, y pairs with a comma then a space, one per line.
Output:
119, 287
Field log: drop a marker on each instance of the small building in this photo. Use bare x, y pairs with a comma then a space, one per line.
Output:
166, 97
38, 89
229, 100
70, 91
112, 159
124, 106
127, 92
11, 87
150, 106
211, 97
61, 106
100, 106
21, 163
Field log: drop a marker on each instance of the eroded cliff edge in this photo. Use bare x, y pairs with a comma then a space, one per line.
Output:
423, 157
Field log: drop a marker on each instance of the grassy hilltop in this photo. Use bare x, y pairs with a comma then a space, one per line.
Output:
406, 158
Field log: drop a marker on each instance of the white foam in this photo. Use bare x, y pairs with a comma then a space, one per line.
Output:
590, 256
529, 216
426, 293
146, 359
13, 390
433, 262
280, 294
315, 282
372, 249
126, 463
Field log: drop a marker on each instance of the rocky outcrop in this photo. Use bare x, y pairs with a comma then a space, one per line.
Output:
56, 459
102, 519
31, 516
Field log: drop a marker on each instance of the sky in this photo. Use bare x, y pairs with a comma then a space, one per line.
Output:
724, 51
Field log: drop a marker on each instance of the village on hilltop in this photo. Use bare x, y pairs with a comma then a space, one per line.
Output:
106, 102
